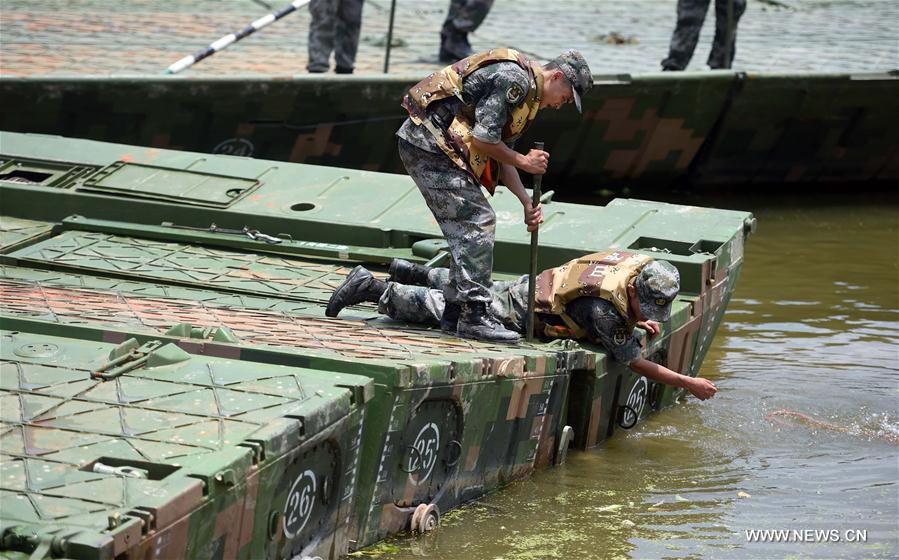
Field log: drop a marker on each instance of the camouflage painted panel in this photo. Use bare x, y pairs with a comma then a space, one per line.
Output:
643, 131
809, 129
92, 433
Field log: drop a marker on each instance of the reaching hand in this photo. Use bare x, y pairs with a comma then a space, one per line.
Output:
651, 327
535, 162
533, 217
702, 388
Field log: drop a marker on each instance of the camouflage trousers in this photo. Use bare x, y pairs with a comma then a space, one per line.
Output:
690, 15
467, 15
465, 217
334, 28
425, 304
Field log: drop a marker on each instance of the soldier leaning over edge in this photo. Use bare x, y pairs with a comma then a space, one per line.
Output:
462, 123
600, 297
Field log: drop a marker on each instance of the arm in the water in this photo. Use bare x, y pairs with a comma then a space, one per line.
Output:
701, 388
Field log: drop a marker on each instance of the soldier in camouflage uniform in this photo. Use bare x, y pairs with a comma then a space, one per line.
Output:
464, 17
414, 294
690, 15
334, 28
463, 121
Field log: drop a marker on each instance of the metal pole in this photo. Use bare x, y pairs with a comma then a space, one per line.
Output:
232, 38
389, 37
532, 277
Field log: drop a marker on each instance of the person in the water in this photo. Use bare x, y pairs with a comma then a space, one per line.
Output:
600, 297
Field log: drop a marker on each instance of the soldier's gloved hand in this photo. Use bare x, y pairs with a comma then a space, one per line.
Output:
533, 217
701, 388
535, 162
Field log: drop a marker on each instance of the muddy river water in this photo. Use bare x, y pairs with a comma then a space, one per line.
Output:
813, 329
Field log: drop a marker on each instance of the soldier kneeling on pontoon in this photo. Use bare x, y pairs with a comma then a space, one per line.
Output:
600, 297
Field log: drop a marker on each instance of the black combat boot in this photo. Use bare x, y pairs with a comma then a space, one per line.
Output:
454, 44
359, 286
408, 273
445, 55
450, 318
477, 322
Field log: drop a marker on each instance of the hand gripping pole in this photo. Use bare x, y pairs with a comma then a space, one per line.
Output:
532, 276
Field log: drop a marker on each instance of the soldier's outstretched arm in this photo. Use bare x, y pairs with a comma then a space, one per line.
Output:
701, 388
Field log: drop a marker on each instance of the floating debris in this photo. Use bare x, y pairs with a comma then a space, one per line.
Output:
616, 38
381, 41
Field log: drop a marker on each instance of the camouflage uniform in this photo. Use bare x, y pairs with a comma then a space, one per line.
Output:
334, 27
690, 15
418, 304
467, 15
464, 17
462, 211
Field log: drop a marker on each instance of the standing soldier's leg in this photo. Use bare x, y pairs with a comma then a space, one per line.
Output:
463, 17
468, 225
690, 15
349, 21
724, 46
323, 15
469, 16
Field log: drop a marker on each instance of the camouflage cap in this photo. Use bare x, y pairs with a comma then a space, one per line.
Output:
657, 286
573, 65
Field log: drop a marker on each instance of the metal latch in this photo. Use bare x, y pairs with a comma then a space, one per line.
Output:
126, 471
129, 355
125, 357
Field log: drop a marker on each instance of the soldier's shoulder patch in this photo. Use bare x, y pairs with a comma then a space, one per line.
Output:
620, 336
515, 93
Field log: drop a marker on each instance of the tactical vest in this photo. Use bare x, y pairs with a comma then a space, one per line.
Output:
605, 275
456, 142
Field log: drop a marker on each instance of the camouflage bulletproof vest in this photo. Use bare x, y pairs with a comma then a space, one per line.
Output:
456, 142
604, 275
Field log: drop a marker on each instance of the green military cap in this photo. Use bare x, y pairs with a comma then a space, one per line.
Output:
657, 286
573, 65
